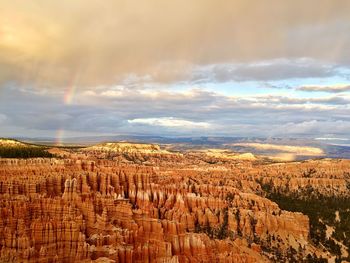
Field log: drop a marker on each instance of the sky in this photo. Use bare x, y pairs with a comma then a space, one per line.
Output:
247, 68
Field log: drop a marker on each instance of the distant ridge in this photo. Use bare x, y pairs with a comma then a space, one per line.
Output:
187, 142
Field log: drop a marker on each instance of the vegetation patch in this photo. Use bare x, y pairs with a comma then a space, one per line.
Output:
24, 152
322, 212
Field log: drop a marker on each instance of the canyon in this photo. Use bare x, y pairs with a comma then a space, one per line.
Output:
126, 202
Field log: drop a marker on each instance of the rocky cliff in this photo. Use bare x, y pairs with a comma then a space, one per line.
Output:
173, 208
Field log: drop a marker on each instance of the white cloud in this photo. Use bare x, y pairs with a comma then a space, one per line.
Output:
112, 93
331, 139
170, 122
336, 88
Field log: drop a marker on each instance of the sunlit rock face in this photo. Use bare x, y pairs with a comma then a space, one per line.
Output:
131, 152
10, 142
157, 206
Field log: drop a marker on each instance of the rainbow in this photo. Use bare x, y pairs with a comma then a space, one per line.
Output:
59, 137
69, 94
71, 89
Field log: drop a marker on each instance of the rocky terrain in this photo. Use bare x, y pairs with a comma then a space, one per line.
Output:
123, 202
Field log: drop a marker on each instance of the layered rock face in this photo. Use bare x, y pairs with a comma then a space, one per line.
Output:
131, 152
177, 209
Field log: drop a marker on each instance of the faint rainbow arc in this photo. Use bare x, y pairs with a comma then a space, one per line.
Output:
59, 137
68, 96
71, 89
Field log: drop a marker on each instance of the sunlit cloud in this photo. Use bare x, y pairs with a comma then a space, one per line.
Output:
46, 43
336, 88
331, 139
298, 150
85, 67
170, 122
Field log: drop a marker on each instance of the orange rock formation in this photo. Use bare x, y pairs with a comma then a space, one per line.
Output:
180, 208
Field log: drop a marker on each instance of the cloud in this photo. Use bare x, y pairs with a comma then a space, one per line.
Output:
336, 88
86, 43
298, 150
340, 99
278, 69
3, 118
332, 139
313, 127
171, 122
171, 112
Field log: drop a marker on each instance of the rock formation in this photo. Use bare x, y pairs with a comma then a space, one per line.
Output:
157, 206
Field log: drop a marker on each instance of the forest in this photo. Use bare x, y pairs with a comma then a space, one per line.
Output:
24, 152
321, 211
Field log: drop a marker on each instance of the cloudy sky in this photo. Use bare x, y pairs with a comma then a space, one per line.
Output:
186, 67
